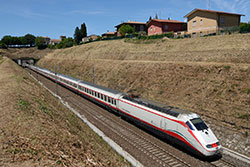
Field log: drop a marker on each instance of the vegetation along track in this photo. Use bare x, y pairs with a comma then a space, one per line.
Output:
149, 150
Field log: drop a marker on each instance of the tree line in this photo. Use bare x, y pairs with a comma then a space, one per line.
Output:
81, 33
24, 41
30, 40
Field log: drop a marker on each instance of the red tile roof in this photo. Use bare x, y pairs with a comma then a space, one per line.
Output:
130, 22
212, 11
55, 40
110, 33
166, 21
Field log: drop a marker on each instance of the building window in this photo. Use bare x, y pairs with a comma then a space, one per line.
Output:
166, 27
194, 34
151, 29
141, 28
201, 22
201, 34
194, 23
222, 20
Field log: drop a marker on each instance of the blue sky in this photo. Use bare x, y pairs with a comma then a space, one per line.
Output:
60, 17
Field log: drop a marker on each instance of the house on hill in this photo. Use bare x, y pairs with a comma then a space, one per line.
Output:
46, 40
109, 35
202, 22
92, 37
138, 26
159, 26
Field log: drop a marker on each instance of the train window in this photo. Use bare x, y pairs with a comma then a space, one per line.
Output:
98, 95
114, 102
189, 125
199, 123
102, 96
95, 94
109, 99
105, 98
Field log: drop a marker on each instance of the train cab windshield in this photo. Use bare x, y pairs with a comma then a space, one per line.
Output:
199, 123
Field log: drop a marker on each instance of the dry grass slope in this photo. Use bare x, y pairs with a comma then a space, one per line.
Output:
209, 76
36, 130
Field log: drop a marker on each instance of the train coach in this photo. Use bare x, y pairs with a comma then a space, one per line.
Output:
183, 127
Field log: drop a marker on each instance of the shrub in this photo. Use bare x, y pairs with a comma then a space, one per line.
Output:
2, 45
40, 43
65, 43
126, 29
248, 91
227, 67
245, 27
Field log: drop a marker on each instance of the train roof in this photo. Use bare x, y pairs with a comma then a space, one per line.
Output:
101, 87
66, 76
164, 108
93, 85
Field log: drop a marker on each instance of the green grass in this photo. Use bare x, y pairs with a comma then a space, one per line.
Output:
244, 116
23, 104
227, 67
248, 91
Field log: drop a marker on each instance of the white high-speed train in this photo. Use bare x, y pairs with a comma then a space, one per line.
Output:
183, 127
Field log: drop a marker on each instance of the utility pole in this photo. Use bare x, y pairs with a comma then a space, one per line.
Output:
93, 74
56, 82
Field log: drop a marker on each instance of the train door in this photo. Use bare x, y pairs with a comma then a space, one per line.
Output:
163, 124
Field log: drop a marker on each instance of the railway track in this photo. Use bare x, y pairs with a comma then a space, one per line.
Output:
160, 155
222, 163
149, 152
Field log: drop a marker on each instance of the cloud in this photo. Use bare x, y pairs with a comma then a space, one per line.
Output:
240, 6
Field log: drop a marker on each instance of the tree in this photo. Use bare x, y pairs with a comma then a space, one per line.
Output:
7, 40
77, 35
2, 45
126, 29
40, 43
156, 16
83, 30
244, 27
65, 43
29, 39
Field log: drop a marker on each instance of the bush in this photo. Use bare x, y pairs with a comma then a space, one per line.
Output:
65, 43
158, 36
2, 45
40, 43
245, 27
52, 46
126, 29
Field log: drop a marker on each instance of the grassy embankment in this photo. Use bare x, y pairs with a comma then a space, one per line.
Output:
36, 130
209, 76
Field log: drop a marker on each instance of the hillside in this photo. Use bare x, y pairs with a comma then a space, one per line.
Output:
36, 130
14, 53
209, 76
